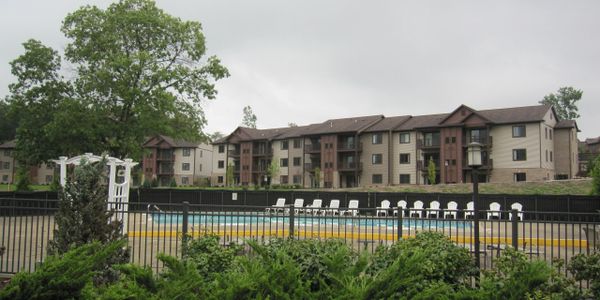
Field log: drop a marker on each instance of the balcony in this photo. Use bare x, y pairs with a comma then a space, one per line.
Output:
310, 167
166, 171
262, 152
259, 169
484, 140
233, 153
312, 148
428, 144
165, 156
349, 166
349, 147
486, 164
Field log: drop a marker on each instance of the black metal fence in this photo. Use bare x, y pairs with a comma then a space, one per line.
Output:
154, 227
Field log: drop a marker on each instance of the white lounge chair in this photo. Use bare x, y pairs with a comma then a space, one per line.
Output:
352, 208
277, 207
298, 205
333, 208
434, 209
470, 211
519, 208
494, 211
451, 210
417, 209
401, 204
383, 209
314, 208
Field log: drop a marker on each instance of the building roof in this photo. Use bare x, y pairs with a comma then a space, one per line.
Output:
592, 141
423, 121
516, 114
388, 124
353, 125
175, 143
9, 145
566, 124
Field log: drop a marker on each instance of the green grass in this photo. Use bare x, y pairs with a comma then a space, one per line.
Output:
34, 187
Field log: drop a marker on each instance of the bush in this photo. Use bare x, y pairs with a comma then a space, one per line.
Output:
22, 181
587, 267
173, 182
147, 184
154, 183
595, 174
63, 277
209, 257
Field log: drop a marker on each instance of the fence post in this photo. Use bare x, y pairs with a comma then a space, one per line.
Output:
292, 215
515, 228
184, 229
400, 215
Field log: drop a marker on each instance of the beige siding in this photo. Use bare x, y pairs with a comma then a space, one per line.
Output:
368, 168
203, 167
178, 166
278, 154
216, 172
409, 148
504, 143
295, 153
6, 160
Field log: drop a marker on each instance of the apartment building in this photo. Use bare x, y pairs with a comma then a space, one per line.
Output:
588, 151
519, 144
187, 162
44, 174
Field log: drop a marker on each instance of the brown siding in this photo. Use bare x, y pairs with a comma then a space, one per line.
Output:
449, 152
329, 156
246, 163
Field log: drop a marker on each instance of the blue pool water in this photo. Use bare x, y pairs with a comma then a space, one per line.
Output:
235, 219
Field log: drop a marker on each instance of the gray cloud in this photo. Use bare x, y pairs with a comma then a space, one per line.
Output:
308, 61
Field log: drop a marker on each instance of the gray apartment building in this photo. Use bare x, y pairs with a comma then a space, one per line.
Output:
519, 144
43, 174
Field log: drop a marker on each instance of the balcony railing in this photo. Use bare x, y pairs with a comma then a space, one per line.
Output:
166, 156
349, 166
313, 148
234, 152
262, 152
485, 164
350, 146
259, 169
310, 167
424, 165
166, 171
424, 144
484, 140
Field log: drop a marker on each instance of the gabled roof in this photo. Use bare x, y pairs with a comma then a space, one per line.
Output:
353, 125
567, 124
592, 141
424, 121
388, 124
155, 140
522, 114
9, 145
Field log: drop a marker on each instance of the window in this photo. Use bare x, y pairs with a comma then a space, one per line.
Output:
550, 133
200, 153
297, 179
453, 140
221, 148
545, 133
219, 179
221, 164
520, 177
185, 180
405, 178
6, 152
297, 161
432, 139
518, 131
404, 138
186, 151
283, 162
4, 178
377, 138
404, 158
519, 154
6, 165
49, 166
297, 143
551, 156
284, 145
546, 155
283, 179
377, 179
447, 140
200, 169
49, 178
185, 166
376, 159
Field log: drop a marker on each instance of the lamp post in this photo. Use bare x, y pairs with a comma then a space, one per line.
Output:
474, 161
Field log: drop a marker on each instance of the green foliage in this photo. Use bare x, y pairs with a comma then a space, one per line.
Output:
431, 174
22, 183
173, 182
587, 267
146, 184
209, 256
595, 174
8, 122
318, 177
63, 277
82, 216
154, 182
273, 169
229, 174
55, 184
249, 119
135, 71
564, 102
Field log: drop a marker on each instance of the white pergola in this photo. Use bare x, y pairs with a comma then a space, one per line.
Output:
118, 193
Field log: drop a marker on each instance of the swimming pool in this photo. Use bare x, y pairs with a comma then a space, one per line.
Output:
223, 219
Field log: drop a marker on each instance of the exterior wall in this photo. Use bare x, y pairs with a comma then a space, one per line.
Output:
45, 174
216, 171
178, 171
296, 170
533, 174
329, 155
7, 174
411, 149
368, 168
278, 154
504, 143
563, 157
204, 164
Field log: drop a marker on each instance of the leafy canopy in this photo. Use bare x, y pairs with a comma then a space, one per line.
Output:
249, 119
564, 102
137, 71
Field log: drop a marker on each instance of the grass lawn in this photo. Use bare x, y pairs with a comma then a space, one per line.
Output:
34, 187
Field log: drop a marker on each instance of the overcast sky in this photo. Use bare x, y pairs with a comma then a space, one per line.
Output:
309, 61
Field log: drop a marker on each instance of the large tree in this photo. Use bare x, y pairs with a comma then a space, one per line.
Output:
136, 72
564, 102
249, 119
